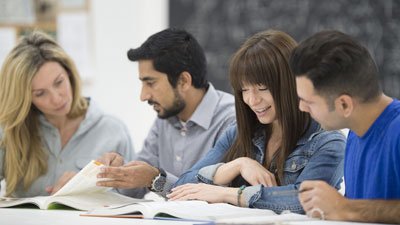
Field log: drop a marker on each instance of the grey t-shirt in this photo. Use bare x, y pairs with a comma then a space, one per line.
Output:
98, 133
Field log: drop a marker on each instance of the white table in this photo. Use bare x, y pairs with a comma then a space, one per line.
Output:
13, 216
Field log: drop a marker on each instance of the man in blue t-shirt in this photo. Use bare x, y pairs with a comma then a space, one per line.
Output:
337, 82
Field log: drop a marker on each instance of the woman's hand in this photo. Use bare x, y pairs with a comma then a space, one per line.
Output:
254, 173
204, 192
65, 177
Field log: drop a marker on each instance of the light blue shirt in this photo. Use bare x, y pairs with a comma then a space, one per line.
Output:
98, 133
176, 148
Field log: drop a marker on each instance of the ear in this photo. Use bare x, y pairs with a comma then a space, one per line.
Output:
344, 104
184, 81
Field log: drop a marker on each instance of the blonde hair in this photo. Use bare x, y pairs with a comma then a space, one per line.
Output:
25, 157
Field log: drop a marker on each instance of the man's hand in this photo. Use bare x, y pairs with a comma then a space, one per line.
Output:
111, 159
135, 174
320, 195
61, 182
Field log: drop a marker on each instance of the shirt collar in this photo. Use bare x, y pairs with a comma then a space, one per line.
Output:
315, 128
92, 115
204, 112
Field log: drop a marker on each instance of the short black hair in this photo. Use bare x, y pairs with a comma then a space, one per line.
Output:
174, 51
337, 64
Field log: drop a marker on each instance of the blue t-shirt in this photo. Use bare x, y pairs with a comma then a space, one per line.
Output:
372, 162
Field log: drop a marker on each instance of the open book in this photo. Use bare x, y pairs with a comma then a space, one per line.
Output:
192, 210
80, 193
267, 219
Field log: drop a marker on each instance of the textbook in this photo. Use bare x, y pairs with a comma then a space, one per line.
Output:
190, 210
267, 219
80, 193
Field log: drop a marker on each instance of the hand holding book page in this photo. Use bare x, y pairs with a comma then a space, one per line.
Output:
84, 181
80, 193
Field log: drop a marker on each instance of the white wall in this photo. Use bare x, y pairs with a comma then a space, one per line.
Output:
115, 27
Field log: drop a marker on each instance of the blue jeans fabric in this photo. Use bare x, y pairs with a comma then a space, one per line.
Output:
318, 156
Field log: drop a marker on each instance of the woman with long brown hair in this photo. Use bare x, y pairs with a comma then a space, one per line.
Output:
261, 161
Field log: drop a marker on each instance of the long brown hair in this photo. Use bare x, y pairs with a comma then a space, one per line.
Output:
263, 60
25, 157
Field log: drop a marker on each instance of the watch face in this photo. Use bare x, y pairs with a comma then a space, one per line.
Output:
159, 183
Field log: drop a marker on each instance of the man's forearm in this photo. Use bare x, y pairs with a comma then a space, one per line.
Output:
378, 211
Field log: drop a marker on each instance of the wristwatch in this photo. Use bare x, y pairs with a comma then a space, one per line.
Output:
159, 181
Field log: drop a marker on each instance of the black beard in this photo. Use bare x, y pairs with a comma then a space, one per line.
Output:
178, 105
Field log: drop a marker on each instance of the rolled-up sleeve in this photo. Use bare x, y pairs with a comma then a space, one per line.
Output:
206, 174
326, 163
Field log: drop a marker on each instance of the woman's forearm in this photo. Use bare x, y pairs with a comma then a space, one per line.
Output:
227, 172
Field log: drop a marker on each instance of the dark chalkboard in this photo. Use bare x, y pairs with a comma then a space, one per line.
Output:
221, 26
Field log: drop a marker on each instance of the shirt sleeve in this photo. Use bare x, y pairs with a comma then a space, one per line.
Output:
325, 164
207, 173
171, 179
125, 147
149, 154
212, 157
150, 149
229, 121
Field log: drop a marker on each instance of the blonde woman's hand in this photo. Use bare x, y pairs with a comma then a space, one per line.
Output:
61, 182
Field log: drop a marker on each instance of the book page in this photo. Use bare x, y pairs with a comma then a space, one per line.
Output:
84, 181
80, 193
265, 219
87, 201
39, 201
196, 210
121, 209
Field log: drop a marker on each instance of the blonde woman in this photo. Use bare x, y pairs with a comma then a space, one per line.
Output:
46, 127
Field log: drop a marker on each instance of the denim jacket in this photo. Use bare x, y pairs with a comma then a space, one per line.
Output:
318, 156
